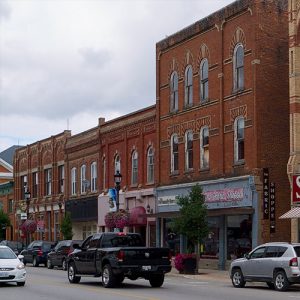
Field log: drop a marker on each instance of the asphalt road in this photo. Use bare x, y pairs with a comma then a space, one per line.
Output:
44, 284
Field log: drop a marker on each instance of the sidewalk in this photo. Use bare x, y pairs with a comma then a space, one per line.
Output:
204, 274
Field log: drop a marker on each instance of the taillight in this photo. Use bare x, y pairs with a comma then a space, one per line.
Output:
120, 255
294, 262
40, 253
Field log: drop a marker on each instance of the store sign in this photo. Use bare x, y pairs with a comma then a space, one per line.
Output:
266, 194
296, 188
224, 195
272, 207
166, 200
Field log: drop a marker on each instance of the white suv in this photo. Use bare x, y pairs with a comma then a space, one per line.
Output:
277, 264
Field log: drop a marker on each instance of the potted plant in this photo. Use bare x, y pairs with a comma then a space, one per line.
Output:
186, 263
117, 219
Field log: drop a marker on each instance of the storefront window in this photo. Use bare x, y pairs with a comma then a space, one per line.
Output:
210, 247
172, 239
239, 235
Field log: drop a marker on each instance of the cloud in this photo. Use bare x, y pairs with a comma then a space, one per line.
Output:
95, 58
5, 10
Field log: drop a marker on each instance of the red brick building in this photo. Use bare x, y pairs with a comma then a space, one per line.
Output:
222, 122
39, 168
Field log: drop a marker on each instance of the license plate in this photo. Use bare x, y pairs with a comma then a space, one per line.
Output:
3, 274
146, 268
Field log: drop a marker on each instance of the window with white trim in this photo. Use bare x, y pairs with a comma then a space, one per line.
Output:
134, 168
188, 84
238, 67
188, 150
174, 92
83, 181
150, 165
61, 178
73, 181
239, 139
174, 153
48, 181
204, 80
204, 148
117, 164
93, 176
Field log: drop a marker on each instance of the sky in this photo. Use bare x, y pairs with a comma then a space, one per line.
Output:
66, 63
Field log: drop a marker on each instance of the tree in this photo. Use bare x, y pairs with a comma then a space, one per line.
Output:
4, 222
192, 220
66, 226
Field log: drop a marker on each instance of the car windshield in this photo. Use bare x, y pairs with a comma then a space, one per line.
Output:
47, 246
7, 254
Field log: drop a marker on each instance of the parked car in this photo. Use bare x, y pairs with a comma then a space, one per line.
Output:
15, 246
115, 256
36, 252
57, 257
277, 264
11, 267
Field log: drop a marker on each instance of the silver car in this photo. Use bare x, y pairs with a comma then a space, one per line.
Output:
277, 264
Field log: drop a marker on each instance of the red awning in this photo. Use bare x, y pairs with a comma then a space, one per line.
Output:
138, 216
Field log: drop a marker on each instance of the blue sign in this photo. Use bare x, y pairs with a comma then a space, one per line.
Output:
112, 194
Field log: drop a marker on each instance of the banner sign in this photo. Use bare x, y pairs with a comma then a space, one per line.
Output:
272, 207
266, 194
224, 195
296, 188
112, 194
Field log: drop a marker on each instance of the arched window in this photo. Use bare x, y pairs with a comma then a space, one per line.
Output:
93, 176
134, 168
117, 164
189, 150
73, 181
239, 139
204, 80
204, 148
83, 181
150, 165
174, 92
238, 67
174, 153
188, 85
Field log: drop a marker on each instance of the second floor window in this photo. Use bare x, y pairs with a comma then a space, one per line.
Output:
188, 86
83, 182
61, 179
35, 182
10, 206
174, 92
48, 181
73, 181
117, 164
93, 176
150, 165
238, 67
174, 153
239, 139
204, 148
23, 186
204, 80
134, 171
189, 150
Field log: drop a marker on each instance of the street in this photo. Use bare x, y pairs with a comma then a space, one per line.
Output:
53, 285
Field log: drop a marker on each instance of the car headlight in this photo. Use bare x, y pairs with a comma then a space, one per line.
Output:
20, 266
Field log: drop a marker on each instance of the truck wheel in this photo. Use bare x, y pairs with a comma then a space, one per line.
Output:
49, 264
73, 278
157, 280
108, 278
35, 262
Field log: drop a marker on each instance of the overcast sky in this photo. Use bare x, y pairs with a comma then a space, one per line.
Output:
65, 63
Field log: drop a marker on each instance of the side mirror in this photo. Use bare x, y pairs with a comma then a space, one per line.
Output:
247, 256
20, 257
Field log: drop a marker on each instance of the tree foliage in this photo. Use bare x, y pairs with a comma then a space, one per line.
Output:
192, 220
66, 226
4, 222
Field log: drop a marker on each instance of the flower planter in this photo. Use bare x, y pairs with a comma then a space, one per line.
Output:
186, 263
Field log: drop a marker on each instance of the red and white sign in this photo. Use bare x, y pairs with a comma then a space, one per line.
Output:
296, 188
224, 195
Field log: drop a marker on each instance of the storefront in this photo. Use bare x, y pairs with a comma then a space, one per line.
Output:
232, 219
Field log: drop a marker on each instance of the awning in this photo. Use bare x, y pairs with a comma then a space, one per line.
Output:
293, 213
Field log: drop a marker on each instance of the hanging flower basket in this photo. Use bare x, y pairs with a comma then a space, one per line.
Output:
118, 219
29, 226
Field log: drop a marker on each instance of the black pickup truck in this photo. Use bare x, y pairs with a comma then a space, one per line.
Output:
116, 255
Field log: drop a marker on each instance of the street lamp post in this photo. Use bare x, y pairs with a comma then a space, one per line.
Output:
117, 178
27, 196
